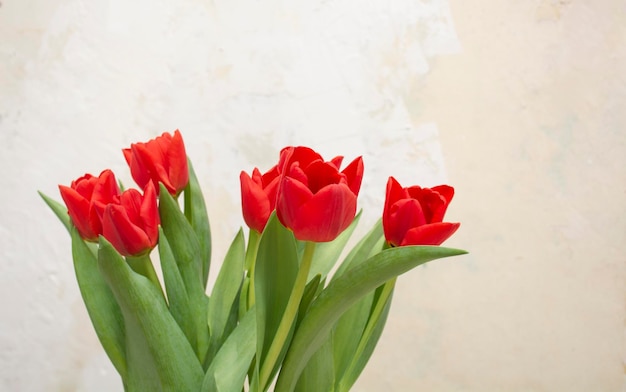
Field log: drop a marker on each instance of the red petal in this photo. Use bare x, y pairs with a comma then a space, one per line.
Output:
255, 204
78, 209
128, 155
149, 214
336, 161
256, 177
393, 193
304, 155
138, 169
404, 215
131, 200
431, 234
152, 159
84, 185
126, 237
296, 172
178, 172
446, 191
328, 213
106, 189
354, 174
319, 174
292, 195
271, 175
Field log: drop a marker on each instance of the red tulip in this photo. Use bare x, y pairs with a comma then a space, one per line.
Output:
162, 159
258, 196
414, 215
315, 199
132, 225
85, 200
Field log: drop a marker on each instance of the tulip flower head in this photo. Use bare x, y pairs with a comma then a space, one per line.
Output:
316, 200
86, 199
162, 159
132, 225
414, 215
258, 196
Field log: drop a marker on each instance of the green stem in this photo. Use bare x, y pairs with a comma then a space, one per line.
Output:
289, 316
143, 266
251, 252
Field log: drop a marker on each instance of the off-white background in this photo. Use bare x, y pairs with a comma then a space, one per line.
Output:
518, 104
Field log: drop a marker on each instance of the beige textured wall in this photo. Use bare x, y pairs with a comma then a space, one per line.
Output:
532, 123
518, 104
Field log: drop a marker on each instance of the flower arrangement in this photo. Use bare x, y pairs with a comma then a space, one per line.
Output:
275, 316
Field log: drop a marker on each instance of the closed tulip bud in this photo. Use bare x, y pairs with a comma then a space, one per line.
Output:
132, 226
258, 197
86, 199
162, 159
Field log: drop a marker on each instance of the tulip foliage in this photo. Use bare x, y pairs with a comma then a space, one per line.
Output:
275, 317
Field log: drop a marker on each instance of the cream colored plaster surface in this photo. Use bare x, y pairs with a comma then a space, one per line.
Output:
518, 104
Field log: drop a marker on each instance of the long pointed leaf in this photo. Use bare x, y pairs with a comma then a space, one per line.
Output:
319, 373
369, 245
348, 331
177, 296
376, 320
327, 253
341, 294
59, 210
274, 277
224, 303
196, 213
188, 255
104, 312
229, 368
169, 354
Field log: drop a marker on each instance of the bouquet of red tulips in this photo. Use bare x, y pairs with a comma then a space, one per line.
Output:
275, 315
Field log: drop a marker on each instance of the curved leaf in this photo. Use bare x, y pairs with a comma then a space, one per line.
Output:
229, 368
327, 253
224, 304
376, 318
341, 294
196, 213
158, 348
104, 312
59, 210
188, 255
274, 277
177, 297
369, 245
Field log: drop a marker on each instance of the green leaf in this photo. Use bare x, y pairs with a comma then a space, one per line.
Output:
177, 297
59, 210
327, 253
348, 331
319, 373
229, 368
376, 318
104, 312
274, 277
196, 213
370, 244
160, 357
311, 291
224, 304
341, 294
188, 255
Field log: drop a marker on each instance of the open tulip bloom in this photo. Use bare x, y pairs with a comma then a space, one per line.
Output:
275, 317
